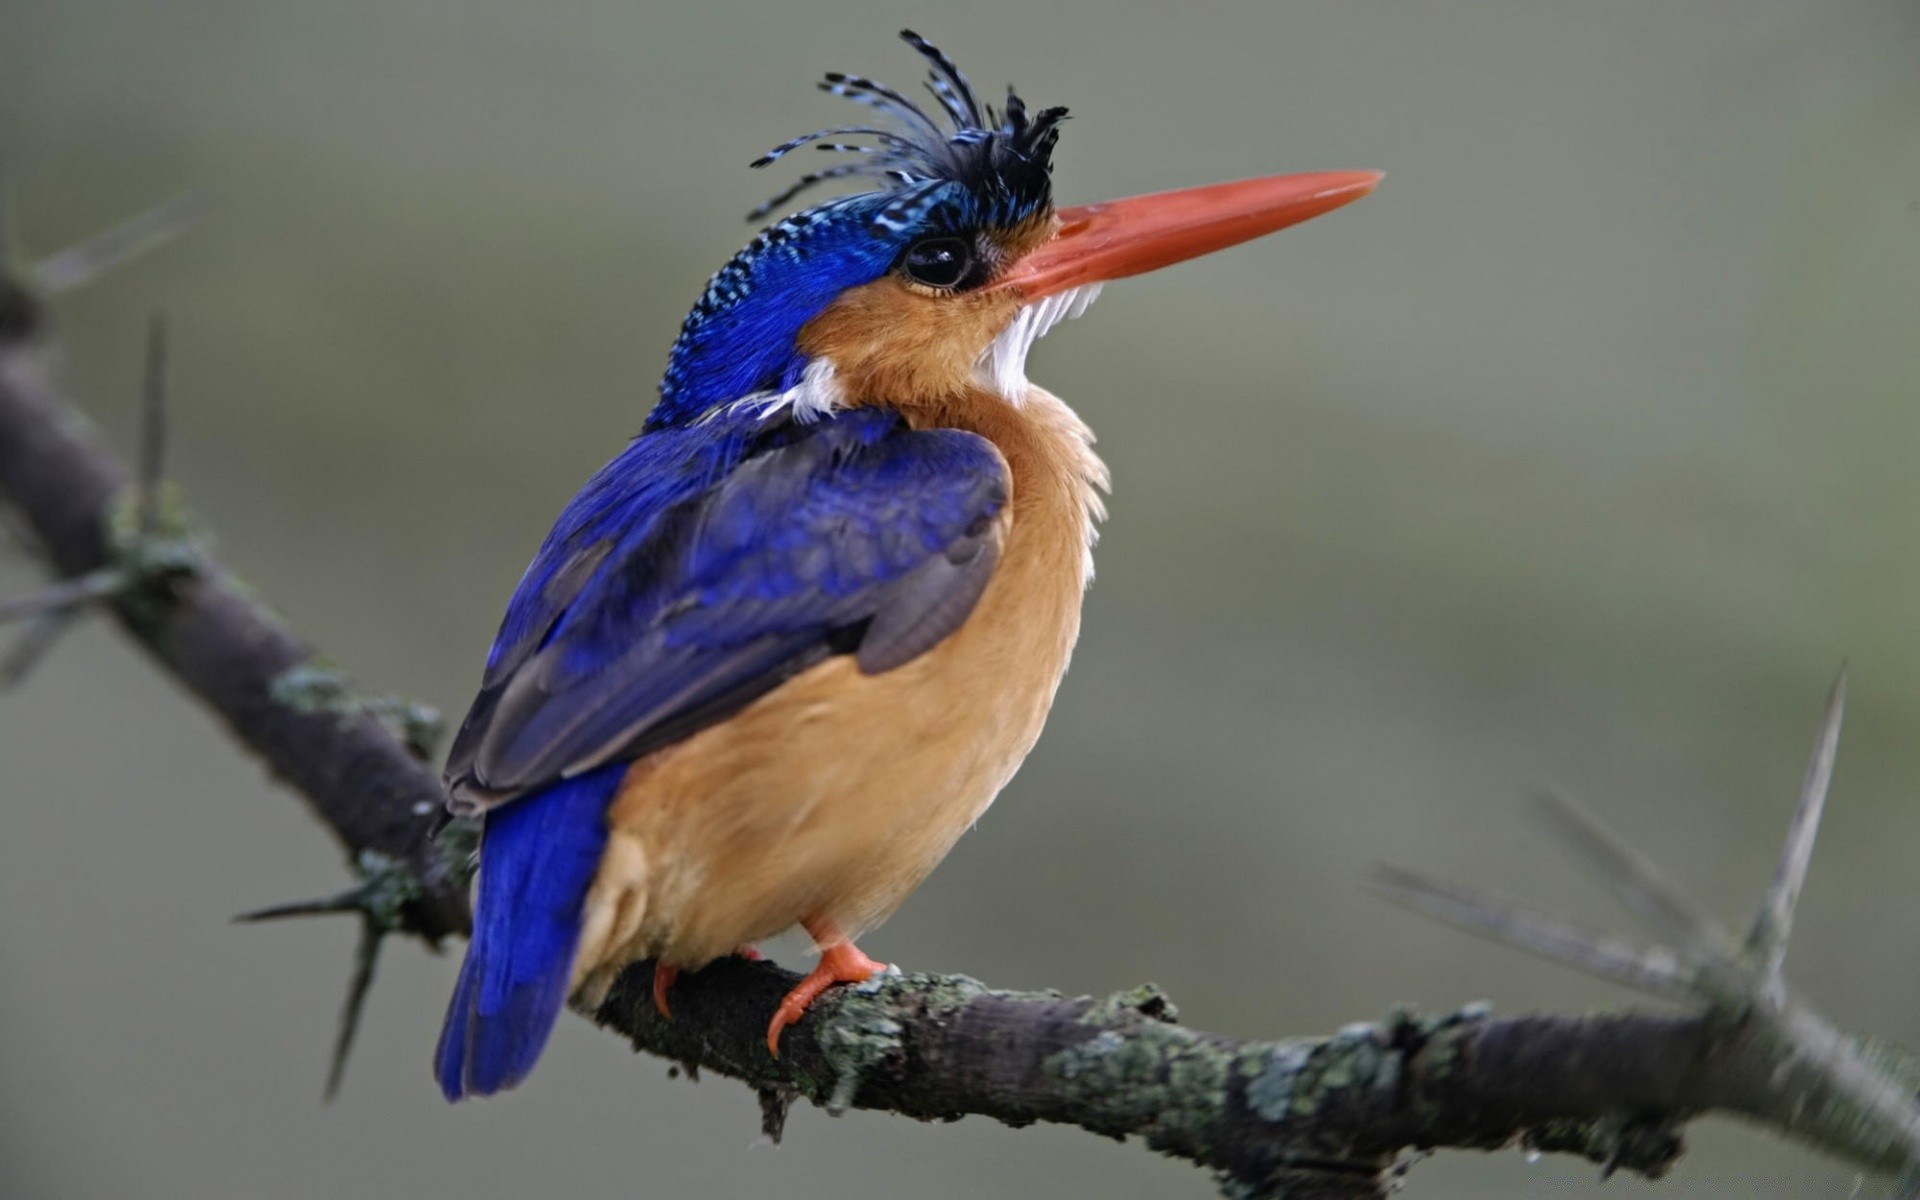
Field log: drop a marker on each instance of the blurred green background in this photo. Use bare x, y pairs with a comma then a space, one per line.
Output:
1581, 454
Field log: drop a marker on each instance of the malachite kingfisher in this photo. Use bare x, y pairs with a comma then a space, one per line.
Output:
776, 656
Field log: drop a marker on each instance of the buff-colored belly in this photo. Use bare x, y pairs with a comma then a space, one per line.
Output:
837, 793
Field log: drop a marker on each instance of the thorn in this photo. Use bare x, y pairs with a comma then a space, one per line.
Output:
366, 955
381, 897
79, 265
1611, 1165
1740, 986
352, 900
66, 595
42, 632
153, 426
1632, 876
1500, 918
1772, 928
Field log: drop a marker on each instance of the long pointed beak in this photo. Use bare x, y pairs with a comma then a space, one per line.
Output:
1118, 238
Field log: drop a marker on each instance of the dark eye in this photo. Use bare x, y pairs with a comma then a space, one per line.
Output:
940, 262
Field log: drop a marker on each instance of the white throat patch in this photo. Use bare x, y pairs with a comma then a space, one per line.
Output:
1003, 366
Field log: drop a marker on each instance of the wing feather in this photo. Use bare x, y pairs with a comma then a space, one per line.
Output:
687, 580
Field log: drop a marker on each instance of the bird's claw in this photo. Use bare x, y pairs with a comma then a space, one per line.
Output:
841, 962
663, 976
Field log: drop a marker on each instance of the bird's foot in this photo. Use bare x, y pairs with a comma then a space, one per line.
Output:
840, 962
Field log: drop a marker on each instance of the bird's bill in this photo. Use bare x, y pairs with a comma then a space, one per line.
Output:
1118, 238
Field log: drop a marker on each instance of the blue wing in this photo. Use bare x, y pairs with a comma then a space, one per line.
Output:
708, 564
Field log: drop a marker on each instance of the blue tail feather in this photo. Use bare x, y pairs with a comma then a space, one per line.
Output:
538, 855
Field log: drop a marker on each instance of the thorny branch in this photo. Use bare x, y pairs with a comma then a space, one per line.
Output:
116, 545
1334, 1116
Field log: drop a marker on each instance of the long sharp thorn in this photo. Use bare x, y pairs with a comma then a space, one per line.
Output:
1631, 875
77, 266
1767, 943
40, 635
1504, 920
153, 425
67, 594
365, 956
350, 900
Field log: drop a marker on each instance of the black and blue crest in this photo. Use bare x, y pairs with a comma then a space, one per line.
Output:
960, 167
989, 168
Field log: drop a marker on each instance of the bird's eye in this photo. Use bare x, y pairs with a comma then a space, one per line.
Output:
941, 262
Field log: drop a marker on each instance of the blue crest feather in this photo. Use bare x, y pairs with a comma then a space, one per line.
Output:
966, 168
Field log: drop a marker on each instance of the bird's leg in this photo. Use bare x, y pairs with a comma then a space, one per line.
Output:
840, 962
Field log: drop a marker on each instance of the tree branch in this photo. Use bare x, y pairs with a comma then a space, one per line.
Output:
207, 631
1323, 1116
1307, 1117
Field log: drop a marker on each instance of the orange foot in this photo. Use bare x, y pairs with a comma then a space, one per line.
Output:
840, 962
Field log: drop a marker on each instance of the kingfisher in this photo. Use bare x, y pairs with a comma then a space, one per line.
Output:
779, 653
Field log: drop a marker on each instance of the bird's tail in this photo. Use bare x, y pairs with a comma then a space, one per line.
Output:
538, 855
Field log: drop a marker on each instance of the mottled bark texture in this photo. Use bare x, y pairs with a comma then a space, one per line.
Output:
1299, 1117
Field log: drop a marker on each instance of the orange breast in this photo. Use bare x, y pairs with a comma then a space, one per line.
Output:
836, 793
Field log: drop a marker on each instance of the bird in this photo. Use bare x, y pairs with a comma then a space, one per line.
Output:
788, 645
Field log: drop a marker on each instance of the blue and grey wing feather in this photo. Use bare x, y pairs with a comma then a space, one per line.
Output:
681, 586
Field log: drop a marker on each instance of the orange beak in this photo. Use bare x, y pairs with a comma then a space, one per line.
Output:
1098, 242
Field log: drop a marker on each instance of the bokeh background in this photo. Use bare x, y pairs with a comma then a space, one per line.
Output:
1581, 454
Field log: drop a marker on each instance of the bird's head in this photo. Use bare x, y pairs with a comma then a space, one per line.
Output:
940, 279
